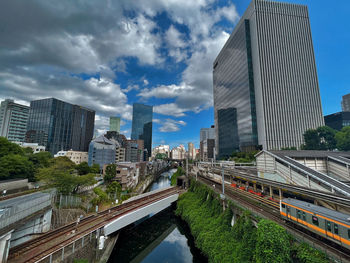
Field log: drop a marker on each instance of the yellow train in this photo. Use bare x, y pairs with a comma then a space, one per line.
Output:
330, 224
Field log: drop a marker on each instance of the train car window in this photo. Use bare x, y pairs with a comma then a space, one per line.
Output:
335, 229
299, 213
304, 216
315, 220
283, 206
288, 209
329, 227
348, 233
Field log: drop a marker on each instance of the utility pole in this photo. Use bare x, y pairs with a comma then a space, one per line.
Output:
223, 179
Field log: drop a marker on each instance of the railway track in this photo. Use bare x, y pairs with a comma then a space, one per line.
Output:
41, 247
272, 213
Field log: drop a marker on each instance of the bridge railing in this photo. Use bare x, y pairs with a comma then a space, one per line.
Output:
16, 209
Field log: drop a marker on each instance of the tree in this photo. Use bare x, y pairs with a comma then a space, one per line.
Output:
327, 138
343, 139
322, 138
312, 140
110, 173
114, 188
7, 147
83, 168
65, 182
40, 159
95, 168
16, 166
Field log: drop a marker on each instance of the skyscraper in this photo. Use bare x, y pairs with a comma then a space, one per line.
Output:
114, 124
59, 125
345, 103
265, 82
142, 125
13, 120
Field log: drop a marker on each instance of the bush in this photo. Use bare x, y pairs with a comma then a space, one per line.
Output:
306, 254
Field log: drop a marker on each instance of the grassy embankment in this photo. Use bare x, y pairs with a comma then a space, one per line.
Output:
211, 228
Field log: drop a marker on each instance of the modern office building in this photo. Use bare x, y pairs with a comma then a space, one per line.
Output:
266, 91
142, 125
207, 150
338, 120
114, 124
345, 103
207, 133
101, 151
59, 125
13, 120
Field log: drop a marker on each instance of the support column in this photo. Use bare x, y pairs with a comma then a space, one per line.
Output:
271, 192
73, 247
254, 187
309, 181
62, 257
280, 193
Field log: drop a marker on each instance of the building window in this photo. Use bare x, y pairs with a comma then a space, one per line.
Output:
315, 220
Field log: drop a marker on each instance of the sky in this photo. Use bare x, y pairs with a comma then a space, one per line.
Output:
106, 55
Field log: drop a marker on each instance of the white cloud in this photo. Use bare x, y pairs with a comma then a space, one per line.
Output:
131, 87
170, 125
145, 82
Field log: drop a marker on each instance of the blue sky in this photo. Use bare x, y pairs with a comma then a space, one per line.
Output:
106, 55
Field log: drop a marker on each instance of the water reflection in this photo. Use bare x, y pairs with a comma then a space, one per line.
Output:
161, 238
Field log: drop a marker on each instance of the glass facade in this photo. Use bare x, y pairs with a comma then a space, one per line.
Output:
13, 120
142, 125
101, 151
114, 124
234, 99
338, 120
59, 125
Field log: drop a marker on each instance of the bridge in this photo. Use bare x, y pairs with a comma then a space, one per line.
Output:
58, 244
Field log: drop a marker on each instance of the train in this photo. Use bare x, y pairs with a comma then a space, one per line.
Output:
327, 223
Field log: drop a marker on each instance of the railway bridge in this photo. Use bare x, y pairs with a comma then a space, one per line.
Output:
59, 244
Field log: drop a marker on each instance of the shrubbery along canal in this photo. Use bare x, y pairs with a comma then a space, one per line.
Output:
162, 238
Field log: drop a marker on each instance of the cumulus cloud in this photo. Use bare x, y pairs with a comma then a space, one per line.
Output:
55, 43
170, 125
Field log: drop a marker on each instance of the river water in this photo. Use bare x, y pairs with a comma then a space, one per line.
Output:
163, 238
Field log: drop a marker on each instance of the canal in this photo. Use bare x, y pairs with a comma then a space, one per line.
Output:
161, 238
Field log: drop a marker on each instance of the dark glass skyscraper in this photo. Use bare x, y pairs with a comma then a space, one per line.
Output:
265, 81
59, 125
142, 125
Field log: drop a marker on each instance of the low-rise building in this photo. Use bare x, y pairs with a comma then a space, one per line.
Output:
75, 156
338, 120
34, 146
101, 151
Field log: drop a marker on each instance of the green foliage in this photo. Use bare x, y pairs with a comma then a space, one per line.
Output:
81, 261
343, 139
306, 254
289, 148
110, 173
211, 227
161, 156
61, 175
16, 166
243, 157
273, 244
7, 147
95, 168
175, 175
114, 188
83, 168
220, 242
322, 138
40, 159
101, 196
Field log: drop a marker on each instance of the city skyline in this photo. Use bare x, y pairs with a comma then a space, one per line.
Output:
171, 70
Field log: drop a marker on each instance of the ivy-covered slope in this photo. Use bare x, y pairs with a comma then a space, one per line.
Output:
211, 227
